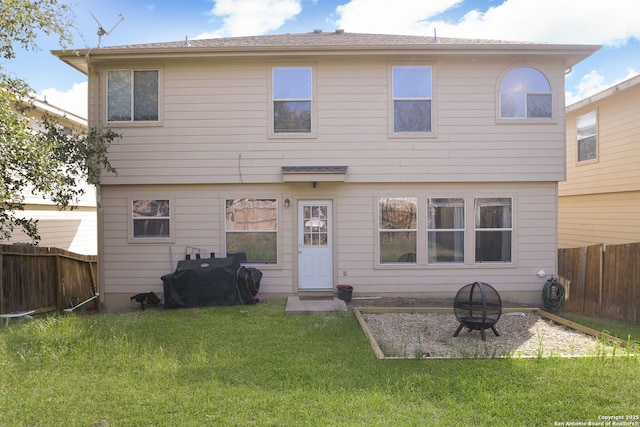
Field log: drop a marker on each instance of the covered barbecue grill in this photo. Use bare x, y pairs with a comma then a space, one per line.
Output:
478, 307
211, 282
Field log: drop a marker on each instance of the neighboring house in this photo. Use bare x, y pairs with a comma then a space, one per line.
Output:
600, 200
400, 165
72, 229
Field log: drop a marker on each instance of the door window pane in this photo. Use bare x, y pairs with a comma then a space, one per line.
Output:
315, 224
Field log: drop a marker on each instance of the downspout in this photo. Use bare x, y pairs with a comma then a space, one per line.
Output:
99, 209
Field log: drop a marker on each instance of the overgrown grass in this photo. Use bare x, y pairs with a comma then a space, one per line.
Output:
251, 365
616, 328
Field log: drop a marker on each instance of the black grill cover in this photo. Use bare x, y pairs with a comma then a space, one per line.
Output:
210, 282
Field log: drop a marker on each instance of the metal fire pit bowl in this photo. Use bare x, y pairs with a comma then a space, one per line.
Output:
478, 307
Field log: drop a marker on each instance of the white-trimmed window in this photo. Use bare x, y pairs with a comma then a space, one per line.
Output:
412, 99
493, 229
292, 91
397, 229
587, 125
132, 95
150, 219
445, 230
251, 227
525, 93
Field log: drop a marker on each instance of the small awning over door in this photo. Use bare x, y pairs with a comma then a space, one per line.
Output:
314, 173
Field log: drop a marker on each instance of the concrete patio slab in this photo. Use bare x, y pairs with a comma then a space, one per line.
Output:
296, 305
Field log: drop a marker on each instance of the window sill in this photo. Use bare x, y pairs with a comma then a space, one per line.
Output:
154, 241
409, 135
292, 135
586, 162
443, 266
527, 121
132, 124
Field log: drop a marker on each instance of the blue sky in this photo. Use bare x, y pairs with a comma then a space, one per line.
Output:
611, 23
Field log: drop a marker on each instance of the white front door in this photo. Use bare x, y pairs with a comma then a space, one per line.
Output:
315, 245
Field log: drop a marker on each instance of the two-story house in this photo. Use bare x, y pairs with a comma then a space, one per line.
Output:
600, 200
75, 228
400, 165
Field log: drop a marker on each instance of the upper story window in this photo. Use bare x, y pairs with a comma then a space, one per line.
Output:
292, 99
587, 140
525, 93
412, 96
132, 95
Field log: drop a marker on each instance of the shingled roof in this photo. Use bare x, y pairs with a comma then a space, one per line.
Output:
319, 44
317, 38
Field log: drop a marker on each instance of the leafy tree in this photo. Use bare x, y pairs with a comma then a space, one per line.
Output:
39, 158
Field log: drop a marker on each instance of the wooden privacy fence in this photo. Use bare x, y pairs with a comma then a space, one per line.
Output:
44, 279
602, 280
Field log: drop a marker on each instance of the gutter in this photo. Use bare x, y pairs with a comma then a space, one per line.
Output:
573, 53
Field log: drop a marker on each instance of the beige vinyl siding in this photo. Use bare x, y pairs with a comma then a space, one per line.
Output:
129, 268
215, 128
600, 200
75, 228
618, 136
610, 218
72, 230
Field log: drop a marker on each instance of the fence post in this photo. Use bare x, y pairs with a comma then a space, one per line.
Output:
59, 285
1, 282
603, 250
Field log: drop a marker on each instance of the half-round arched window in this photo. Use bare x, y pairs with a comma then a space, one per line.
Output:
525, 93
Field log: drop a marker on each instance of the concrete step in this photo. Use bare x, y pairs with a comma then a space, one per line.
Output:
298, 305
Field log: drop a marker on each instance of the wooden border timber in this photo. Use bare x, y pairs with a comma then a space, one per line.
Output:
443, 310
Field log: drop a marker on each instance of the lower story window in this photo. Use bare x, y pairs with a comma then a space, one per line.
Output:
493, 227
398, 229
151, 218
445, 225
252, 228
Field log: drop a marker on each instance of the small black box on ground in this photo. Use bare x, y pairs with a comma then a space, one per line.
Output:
345, 292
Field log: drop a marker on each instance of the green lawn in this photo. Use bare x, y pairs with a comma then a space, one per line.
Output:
251, 365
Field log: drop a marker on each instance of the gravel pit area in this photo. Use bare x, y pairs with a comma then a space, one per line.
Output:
522, 335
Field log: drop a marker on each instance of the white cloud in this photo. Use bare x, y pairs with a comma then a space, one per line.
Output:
606, 22
555, 21
251, 17
593, 83
74, 100
390, 17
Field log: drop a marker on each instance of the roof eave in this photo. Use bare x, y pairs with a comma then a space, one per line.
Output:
79, 59
610, 91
